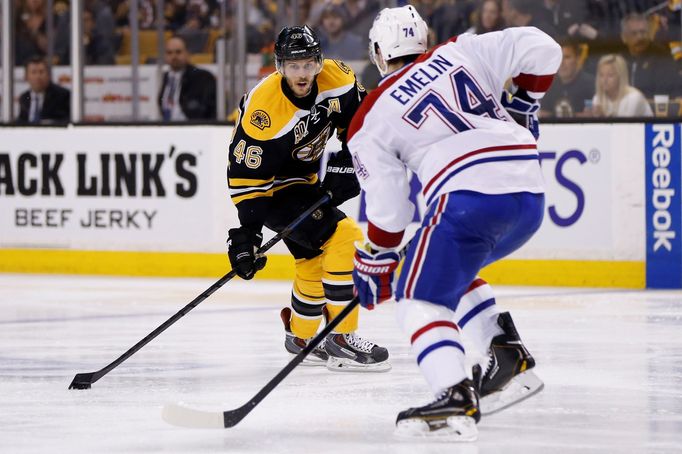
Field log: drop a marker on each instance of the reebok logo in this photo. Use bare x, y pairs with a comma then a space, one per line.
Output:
661, 179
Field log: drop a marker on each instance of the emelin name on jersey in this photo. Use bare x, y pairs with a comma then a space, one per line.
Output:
416, 82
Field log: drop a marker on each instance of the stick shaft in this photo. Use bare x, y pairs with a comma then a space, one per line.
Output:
92, 377
232, 417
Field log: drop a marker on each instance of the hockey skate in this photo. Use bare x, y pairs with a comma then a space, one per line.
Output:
452, 416
350, 352
294, 345
508, 378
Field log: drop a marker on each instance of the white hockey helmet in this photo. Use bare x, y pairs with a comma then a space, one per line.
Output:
397, 32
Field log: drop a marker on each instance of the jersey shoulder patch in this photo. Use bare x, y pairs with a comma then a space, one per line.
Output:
267, 110
335, 74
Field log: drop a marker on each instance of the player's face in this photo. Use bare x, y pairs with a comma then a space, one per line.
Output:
608, 79
300, 75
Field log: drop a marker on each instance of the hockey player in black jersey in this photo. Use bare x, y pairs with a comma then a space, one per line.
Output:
274, 158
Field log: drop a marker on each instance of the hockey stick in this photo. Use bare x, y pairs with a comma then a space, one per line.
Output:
187, 417
179, 415
86, 379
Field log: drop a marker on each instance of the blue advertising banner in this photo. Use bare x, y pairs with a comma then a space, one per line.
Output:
663, 173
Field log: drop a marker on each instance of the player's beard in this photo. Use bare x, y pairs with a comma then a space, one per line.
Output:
302, 86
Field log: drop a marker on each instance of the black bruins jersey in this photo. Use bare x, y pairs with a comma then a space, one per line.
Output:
274, 155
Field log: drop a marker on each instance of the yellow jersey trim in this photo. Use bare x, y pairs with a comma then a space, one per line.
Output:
240, 182
268, 111
267, 101
335, 74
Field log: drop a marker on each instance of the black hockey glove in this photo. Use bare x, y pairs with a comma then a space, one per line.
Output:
340, 180
523, 109
242, 245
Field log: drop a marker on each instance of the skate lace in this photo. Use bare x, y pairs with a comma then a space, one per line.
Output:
358, 342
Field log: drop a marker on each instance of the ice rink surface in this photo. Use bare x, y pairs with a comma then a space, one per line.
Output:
611, 361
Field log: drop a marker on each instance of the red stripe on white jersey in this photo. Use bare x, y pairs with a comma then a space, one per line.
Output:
382, 238
373, 96
459, 159
531, 82
432, 325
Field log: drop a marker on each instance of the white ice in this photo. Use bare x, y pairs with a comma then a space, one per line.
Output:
611, 361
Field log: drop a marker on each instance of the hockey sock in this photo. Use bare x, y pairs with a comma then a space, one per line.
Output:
306, 313
348, 324
435, 340
476, 316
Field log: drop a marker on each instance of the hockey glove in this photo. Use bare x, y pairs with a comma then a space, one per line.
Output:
242, 245
523, 109
374, 274
340, 180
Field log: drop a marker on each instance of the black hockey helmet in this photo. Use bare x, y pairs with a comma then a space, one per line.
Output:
295, 43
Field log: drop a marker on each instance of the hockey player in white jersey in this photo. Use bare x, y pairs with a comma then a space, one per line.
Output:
446, 116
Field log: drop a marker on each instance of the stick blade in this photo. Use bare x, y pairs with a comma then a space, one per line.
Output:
82, 381
181, 416
232, 417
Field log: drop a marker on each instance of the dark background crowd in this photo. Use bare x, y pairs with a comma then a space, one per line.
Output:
621, 57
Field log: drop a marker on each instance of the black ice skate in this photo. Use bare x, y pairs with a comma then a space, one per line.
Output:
294, 345
508, 378
452, 416
350, 352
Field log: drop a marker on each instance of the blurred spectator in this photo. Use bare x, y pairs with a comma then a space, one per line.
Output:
98, 31
651, 67
607, 14
450, 18
336, 42
571, 88
570, 18
370, 77
146, 13
488, 17
521, 13
361, 14
44, 101
99, 49
187, 92
670, 28
614, 96
30, 31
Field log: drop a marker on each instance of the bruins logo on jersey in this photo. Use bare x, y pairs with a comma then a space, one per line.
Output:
313, 150
260, 119
344, 67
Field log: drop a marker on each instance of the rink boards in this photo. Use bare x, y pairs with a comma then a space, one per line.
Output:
153, 201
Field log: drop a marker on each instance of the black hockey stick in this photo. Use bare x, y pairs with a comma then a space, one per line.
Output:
187, 417
86, 379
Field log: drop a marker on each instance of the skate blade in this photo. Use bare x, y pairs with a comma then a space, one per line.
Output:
348, 365
457, 428
311, 361
520, 388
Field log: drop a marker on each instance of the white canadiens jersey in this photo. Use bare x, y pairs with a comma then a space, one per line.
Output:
441, 117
